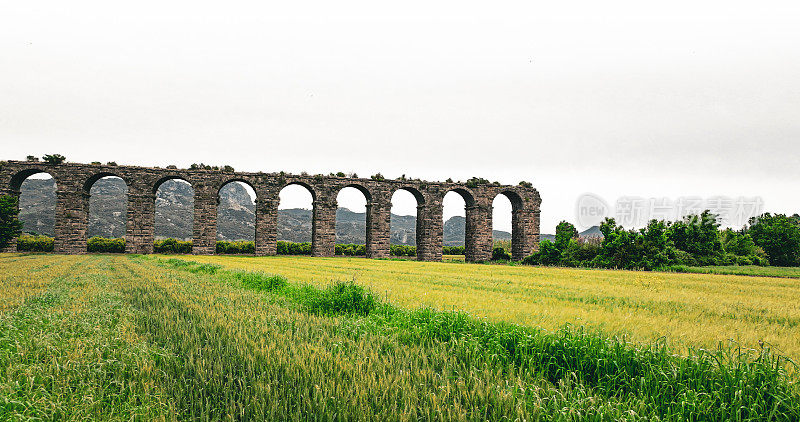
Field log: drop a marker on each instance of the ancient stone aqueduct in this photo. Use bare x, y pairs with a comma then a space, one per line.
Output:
74, 181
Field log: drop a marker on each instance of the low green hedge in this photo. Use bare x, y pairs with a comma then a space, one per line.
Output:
350, 249
403, 250
293, 248
35, 244
101, 244
453, 250
236, 248
172, 246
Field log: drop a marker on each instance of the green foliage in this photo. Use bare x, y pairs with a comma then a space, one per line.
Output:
474, 182
377, 176
350, 249
35, 244
203, 166
525, 184
96, 163
172, 246
31, 158
236, 248
293, 248
340, 174
548, 254
564, 233
341, 298
239, 247
111, 163
453, 250
261, 281
54, 158
741, 249
695, 240
500, 254
779, 236
98, 244
403, 250
10, 226
698, 235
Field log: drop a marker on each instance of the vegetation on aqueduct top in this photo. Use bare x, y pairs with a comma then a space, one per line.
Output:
128, 337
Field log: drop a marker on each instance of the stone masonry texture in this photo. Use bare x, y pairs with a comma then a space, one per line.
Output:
74, 182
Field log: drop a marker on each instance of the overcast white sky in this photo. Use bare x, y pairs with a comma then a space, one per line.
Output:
616, 98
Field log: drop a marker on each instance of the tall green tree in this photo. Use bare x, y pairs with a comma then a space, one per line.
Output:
10, 226
564, 233
779, 236
699, 236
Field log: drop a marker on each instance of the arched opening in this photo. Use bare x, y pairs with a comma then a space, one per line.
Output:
37, 203
403, 238
236, 212
108, 207
351, 221
454, 222
512, 202
174, 210
502, 227
296, 203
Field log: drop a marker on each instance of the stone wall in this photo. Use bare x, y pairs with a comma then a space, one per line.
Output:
74, 182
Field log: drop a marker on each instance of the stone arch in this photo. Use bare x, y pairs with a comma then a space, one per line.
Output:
413, 191
236, 223
91, 180
348, 228
106, 217
15, 183
518, 232
477, 234
302, 183
401, 226
174, 216
290, 223
452, 224
466, 195
41, 195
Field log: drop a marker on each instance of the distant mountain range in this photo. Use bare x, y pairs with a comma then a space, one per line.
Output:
236, 215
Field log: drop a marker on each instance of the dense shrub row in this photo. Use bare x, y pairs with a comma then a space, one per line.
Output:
101, 244
35, 244
403, 250
350, 249
236, 248
294, 248
172, 246
453, 250
696, 240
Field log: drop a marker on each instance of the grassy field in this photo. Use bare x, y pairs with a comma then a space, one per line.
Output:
687, 309
751, 270
148, 338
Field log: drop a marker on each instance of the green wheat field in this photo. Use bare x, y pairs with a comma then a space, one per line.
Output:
120, 337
